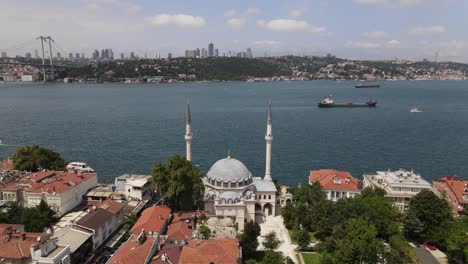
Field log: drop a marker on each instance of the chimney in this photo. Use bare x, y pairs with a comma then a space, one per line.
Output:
23, 236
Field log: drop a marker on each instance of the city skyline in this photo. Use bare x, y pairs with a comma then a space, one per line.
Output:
355, 29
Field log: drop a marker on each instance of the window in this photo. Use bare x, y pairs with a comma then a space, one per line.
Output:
269, 196
128, 190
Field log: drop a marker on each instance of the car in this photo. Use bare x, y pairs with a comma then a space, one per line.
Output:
429, 246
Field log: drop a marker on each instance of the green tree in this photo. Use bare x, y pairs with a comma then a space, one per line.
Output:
356, 242
302, 237
179, 181
205, 231
272, 257
129, 221
248, 240
427, 217
33, 158
457, 241
271, 241
289, 214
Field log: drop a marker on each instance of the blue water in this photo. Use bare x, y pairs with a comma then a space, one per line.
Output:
120, 128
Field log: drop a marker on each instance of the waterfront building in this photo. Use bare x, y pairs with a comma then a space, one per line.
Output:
400, 185
211, 251
134, 187
232, 191
210, 50
28, 78
336, 184
455, 191
62, 191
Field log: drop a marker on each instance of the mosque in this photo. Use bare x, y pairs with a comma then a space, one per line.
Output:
232, 191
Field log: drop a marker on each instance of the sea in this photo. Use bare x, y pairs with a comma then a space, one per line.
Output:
126, 128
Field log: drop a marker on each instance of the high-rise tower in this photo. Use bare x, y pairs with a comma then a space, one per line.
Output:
188, 134
269, 140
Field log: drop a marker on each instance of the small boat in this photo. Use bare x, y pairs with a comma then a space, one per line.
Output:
415, 110
328, 102
367, 85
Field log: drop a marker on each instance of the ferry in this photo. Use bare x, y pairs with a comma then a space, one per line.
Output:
328, 102
81, 167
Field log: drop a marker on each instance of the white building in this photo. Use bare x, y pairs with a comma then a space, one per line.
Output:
232, 191
28, 78
62, 191
134, 187
336, 184
49, 252
400, 185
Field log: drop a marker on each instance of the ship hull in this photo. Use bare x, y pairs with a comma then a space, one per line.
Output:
374, 104
367, 86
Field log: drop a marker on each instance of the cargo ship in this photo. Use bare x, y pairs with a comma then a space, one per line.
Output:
367, 86
328, 102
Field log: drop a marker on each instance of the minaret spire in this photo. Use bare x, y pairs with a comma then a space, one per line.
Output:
269, 140
188, 133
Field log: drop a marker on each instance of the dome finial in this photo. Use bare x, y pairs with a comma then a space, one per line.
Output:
229, 154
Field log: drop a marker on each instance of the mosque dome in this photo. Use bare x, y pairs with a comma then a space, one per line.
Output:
229, 170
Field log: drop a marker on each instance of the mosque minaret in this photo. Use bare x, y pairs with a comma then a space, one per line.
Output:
269, 140
188, 134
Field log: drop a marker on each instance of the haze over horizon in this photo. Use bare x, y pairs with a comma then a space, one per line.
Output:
356, 29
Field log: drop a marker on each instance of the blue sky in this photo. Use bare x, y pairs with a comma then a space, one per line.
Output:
362, 29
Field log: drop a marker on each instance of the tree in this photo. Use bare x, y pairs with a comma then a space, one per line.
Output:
289, 213
33, 158
302, 237
179, 181
457, 241
248, 240
205, 231
272, 257
427, 217
271, 241
129, 221
356, 242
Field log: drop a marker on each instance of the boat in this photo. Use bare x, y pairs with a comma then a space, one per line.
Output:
80, 167
328, 102
367, 85
415, 110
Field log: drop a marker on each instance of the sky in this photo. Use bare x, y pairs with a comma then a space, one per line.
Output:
355, 29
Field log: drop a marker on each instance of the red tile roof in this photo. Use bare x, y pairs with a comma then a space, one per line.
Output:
457, 186
335, 180
171, 252
133, 252
219, 251
111, 206
49, 181
179, 228
18, 245
152, 219
6, 165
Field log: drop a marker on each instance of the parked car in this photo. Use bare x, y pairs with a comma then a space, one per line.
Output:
429, 246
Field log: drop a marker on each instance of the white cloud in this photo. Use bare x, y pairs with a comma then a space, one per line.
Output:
267, 42
427, 30
296, 13
236, 23
230, 13
122, 4
290, 25
410, 2
252, 11
371, 2
375, 34
394, 44
179, 20
367, 45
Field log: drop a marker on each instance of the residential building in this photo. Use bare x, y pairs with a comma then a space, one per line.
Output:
455, 190
134, 187
138, 249
211, 251
49, 252
336, 184
79, 241
400, 185
152, 220
15, 245
103, 220
62, 191
190, 54
216, 52
169, 253
180, 230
